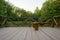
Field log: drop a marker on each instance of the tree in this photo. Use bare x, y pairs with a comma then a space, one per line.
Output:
37, 12
50, 8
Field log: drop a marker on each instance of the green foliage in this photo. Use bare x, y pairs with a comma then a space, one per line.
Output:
49, 9
37, 12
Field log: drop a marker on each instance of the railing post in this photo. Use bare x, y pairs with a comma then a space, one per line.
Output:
35, 26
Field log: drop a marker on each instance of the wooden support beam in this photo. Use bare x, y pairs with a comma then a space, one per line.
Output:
3, 21
14, 22
55, 21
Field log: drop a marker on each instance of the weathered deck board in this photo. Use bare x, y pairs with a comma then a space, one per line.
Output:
55, 34
28, 33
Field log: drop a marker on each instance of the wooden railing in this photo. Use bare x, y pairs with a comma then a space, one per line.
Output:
35, 24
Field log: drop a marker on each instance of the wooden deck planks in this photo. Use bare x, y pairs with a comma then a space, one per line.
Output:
34, 35
43, 36
20, 35
55, 33
28, 33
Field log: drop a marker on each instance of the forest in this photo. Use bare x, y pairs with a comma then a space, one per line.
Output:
11, 15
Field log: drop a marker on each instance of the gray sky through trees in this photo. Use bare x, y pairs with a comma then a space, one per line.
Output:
28, 5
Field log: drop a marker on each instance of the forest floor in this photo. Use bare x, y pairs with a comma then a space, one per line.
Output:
28, 33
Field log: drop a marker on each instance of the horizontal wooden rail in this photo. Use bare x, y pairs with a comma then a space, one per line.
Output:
35, 24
